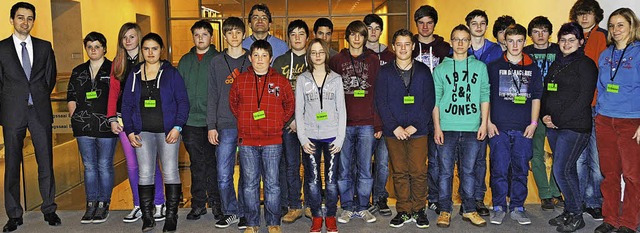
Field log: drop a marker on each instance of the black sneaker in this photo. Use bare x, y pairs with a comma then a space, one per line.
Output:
547, 204
596, 213
216, 210
102, 212
400, 219
574, 222
227, 220
434, 206
373, 208
560, 219
604, 228
242, 223
481, 208
558, 202
383, 207
421, 219
196, 212
89, 212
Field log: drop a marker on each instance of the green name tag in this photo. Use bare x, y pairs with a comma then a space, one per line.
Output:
321, 116
92, 95
552, 87
409, 99
150, 103
259, 115
613, 88
519, 99
358, 93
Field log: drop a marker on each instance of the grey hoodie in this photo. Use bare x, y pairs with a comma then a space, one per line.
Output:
308, 105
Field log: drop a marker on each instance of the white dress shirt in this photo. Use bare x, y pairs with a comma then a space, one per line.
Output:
29, 45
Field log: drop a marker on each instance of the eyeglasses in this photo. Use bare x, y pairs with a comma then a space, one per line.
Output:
457, 40
564, 41
314, 53
259, 18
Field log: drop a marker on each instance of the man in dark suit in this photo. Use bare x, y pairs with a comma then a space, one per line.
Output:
27, 77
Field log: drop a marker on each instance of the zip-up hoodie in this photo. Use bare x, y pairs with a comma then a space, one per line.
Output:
283, 64
195, 74
440, 49
308, 104
277, 102
173, 94
385, 55
623, 104
221, 77
461, 87
508, 80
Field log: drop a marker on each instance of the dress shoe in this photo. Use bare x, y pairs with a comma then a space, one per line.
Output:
52, 219
12, 224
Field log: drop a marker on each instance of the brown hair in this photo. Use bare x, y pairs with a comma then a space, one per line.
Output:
325, 48
119, 62
627, 14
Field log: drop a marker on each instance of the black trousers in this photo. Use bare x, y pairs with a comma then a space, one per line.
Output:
204, 172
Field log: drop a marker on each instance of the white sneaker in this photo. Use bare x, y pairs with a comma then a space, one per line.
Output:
345, 216
367, 216
133, 216
159, 213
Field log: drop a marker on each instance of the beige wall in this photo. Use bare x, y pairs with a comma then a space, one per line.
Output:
42, 27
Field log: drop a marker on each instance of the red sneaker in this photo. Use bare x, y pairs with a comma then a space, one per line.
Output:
316, 225
330, 223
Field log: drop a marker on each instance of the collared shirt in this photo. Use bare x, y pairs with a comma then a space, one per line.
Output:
29, 45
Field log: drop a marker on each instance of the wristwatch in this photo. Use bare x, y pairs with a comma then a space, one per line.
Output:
178, 128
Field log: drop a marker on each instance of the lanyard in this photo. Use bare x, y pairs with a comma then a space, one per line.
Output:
259, 96
291, 66
353, 64
321, 88
514, 80
146, 79
399, 71
229, 67
94, 83
613, 76
553, 76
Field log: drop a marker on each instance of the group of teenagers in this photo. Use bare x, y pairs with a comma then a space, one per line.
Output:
413, 110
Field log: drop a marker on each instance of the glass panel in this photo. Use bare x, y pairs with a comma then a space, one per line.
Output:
319, 7
226, 8
180, 38
350, 7
390, 6
276, 7
391, 25
184, 8
339, 26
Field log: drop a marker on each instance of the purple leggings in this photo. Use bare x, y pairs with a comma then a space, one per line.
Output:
132, 168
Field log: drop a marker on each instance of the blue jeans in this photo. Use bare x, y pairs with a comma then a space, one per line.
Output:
97, 158
510, 150
433, 170
567, 145
204, 174
289, 175
463, 147
357, 149
480, 173
226, 162
380, 170
589, 172
313, 182
154, 148
261, 162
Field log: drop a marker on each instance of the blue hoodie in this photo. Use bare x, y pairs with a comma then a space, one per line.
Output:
623, 104
488, 53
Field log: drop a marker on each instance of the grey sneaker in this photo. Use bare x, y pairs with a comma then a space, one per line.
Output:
520, 215
345, 216
367, 216
497, 215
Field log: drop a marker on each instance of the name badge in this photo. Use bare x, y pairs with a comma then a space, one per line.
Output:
409, 99
552, 87
613, 88
92, 95
259, 115
358, 93
321, 116
149, 103
519, 99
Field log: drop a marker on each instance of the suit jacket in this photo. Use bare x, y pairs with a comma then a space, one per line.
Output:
15, 87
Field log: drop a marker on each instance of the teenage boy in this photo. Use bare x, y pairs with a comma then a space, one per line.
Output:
589, 14
405, 99
359, 69
260, 23
194, 68
501, 24
323, 29
290, 65
262, 101
381, 157
460, 119
543, 53
430, 49
223, 130
516, 88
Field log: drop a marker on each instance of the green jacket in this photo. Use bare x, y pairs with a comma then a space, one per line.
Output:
195, 74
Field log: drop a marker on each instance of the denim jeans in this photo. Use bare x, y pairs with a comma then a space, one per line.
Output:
132, 171
480, 173
226, 162
462, 147
313, 182
154, 148
380, 170
204, 174
433, 170
589, 172
289, 174
357, 149
97, 158
510, 150
261, 162
567, 145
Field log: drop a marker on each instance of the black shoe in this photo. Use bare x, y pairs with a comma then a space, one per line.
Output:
147, 195
560, 219
52, 219
196, 212
596, 213
12, 224
102, 213
547, 204
373, 208
174, 196
421, 219
558, 202
242, 223
383, 207
604, 228
481, 208
624, 229
574, 222
226, 221
89, 212
434, 206
216, 210
400, 219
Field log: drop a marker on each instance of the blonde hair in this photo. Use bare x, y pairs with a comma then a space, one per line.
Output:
120, 61
325, 48
634, 25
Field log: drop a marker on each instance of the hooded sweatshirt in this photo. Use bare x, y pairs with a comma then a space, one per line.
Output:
623, 104
461, 87
196, 73
275, 98
309, 104
284, 63
385, 55
223, 71
439, 50
488, 53
508, 80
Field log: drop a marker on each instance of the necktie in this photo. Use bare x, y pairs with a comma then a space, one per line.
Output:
26, 66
